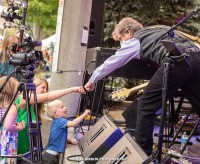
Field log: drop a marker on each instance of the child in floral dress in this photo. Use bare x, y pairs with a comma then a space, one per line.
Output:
9, 129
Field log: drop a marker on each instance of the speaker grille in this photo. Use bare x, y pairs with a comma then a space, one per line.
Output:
97, 133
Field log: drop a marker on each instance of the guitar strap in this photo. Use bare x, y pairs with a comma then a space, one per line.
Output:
195, 39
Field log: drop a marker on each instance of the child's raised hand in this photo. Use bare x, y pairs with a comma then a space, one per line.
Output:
75, 89
21, 125
78, 89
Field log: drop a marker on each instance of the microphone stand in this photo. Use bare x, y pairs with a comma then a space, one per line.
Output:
170, 31
165, 83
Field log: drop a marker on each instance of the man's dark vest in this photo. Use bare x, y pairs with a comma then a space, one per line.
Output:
152, 50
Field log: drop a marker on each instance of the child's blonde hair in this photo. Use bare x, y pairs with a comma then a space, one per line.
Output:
40, 106
51, 107
8, 90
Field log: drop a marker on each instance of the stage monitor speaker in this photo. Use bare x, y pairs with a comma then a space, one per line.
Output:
125, 151
99, 139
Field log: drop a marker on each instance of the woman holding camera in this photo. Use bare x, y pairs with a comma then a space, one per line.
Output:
7, 48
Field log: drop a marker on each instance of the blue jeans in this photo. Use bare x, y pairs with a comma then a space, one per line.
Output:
184, 75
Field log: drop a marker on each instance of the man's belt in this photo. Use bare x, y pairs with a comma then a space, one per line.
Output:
191, 50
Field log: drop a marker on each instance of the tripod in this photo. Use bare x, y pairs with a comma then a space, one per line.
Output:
34, 134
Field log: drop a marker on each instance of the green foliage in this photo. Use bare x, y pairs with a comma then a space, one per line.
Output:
149, 12
43, 12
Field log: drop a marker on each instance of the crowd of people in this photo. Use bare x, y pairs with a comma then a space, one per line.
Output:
14, 138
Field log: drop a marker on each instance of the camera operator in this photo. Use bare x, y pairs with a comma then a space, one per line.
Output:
7, 48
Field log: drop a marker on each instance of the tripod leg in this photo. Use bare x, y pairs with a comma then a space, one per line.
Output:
164, 110
34, 132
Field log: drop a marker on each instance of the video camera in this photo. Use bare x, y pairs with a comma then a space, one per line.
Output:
28, 55
24, 59
12, 12
23, 52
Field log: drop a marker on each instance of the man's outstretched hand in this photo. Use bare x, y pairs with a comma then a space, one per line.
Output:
89, 86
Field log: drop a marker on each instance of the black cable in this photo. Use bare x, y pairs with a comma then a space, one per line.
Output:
74, 156
115, 121
80, 98
197, 139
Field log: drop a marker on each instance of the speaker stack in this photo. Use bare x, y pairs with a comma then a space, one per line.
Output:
104, 143
94, 58
96, 23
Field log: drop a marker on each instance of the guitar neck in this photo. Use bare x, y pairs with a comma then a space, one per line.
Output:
193, 38
123, 93
137, 88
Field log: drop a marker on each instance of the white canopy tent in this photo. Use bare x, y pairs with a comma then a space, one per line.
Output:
1, 38
2, 8
48, 41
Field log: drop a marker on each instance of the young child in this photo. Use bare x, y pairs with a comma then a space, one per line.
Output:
58, 131
10, 128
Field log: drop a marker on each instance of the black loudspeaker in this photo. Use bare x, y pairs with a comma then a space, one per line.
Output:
99, 140
96, 24
125, 151
94, 58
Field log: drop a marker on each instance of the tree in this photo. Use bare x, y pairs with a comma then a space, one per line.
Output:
44, 14
149, 12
